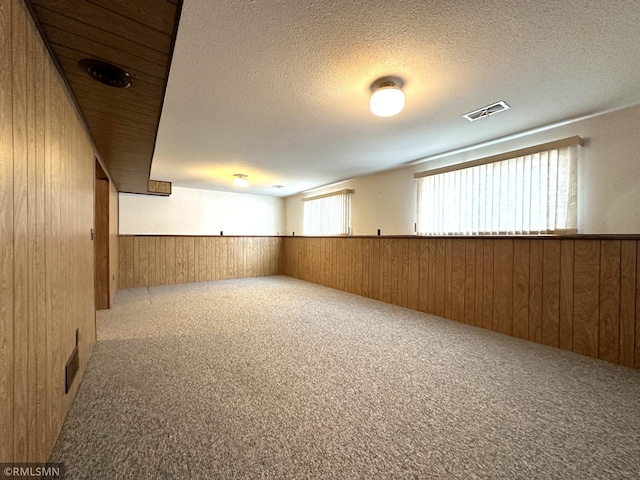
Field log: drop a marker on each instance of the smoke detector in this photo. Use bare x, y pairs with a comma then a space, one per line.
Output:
487, 111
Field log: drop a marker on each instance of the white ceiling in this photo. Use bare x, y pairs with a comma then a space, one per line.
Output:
279, 90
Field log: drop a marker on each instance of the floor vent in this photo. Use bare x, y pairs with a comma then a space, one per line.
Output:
486, 111
72, 367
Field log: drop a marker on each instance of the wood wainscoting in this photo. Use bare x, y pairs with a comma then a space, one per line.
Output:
578, 294
146, 260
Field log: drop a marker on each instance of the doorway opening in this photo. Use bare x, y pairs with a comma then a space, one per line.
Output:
101, 238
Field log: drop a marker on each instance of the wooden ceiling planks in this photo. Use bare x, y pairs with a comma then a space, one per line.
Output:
135, 36
154, 71
84, 30
116, 19
156, 15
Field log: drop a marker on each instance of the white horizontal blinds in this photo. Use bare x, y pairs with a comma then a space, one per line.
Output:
328, 215
526, 195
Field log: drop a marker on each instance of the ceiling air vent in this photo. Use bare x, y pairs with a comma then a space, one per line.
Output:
486, 111
106, 73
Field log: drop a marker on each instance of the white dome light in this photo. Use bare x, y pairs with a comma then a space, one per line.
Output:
240, 180
387, 100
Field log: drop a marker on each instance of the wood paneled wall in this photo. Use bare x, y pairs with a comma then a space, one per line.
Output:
160, 188
575, 294
46, 253
165, 260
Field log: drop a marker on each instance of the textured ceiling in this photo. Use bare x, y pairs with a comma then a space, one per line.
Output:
280, 90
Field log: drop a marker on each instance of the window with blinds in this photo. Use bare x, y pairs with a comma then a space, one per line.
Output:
328, 214
528, 192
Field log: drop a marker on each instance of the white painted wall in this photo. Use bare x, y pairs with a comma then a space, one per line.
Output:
608, 183
190, 211
385, 201
608, 191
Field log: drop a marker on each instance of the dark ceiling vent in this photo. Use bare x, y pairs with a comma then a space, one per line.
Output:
106, 73
486, 111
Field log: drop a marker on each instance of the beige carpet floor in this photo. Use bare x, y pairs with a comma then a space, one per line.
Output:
278, 378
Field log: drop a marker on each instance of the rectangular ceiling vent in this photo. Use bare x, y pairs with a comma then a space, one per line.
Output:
486, 111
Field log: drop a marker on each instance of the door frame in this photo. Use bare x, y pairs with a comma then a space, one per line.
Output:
101, 239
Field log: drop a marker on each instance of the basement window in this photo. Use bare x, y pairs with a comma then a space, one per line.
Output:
328, 214
531, 191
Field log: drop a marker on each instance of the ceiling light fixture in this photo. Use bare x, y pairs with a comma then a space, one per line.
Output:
387, 98
106, 73
240, 180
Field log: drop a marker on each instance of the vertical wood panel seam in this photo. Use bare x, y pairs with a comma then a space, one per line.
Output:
619, 301
634, 334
